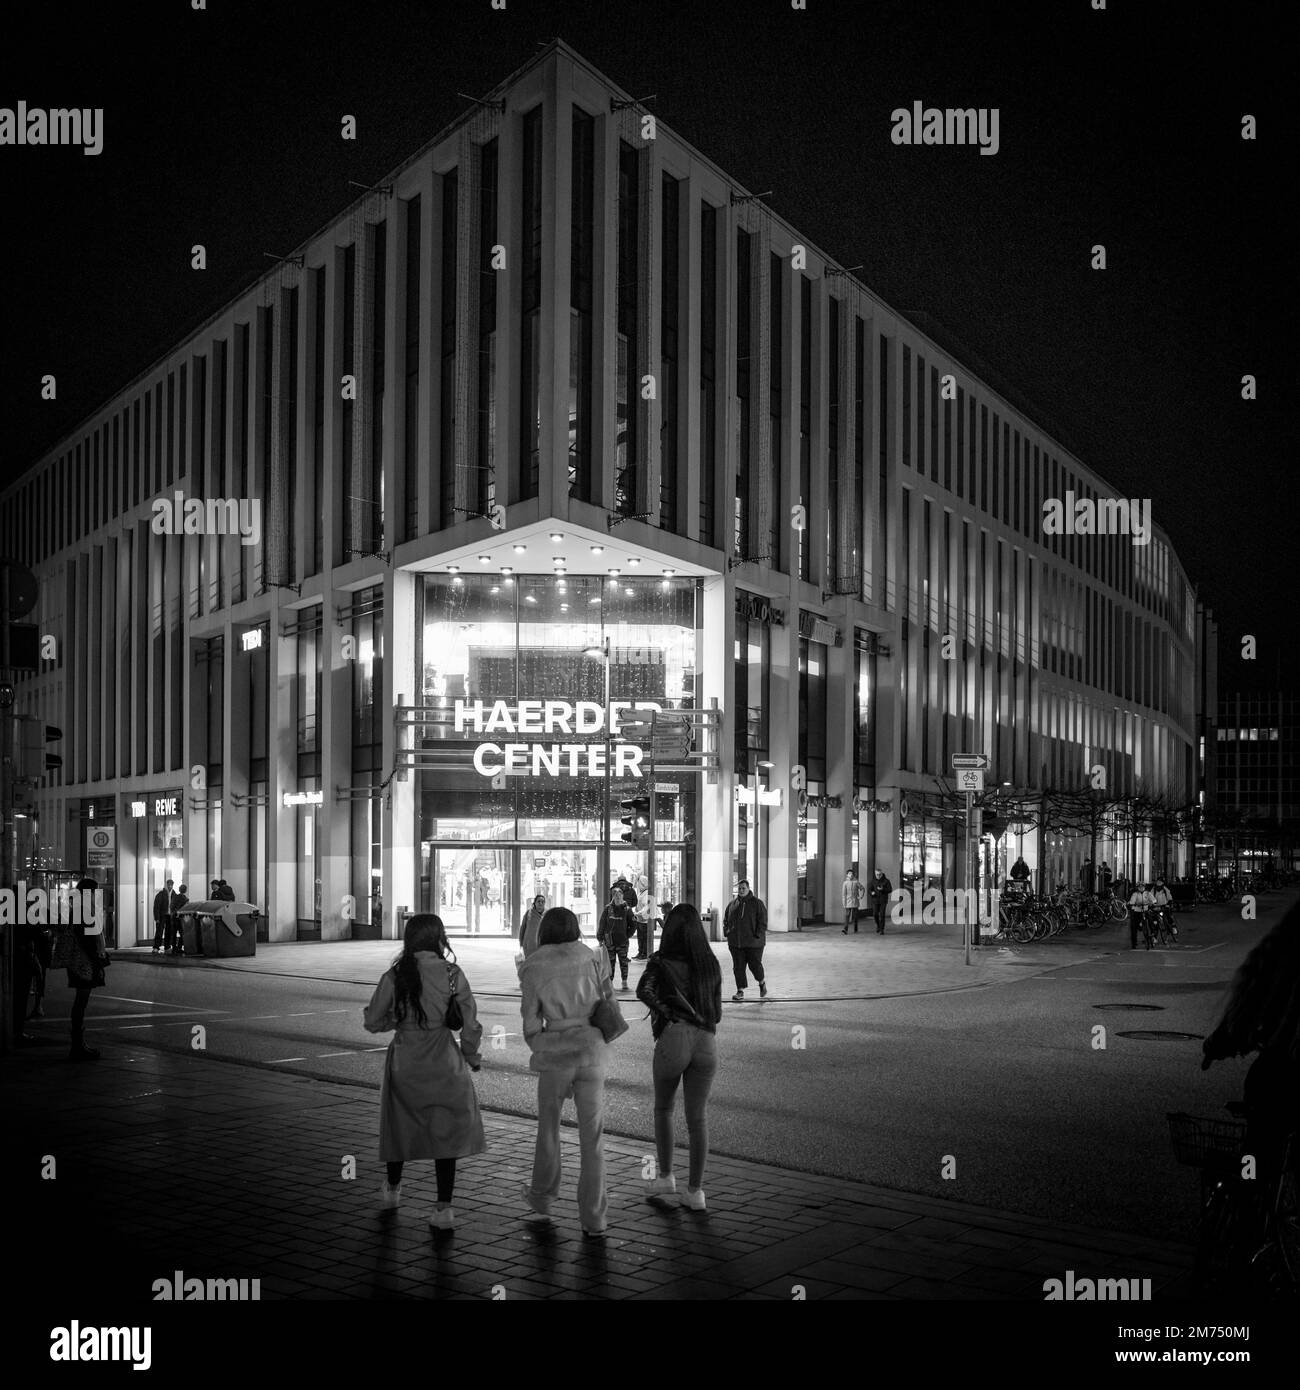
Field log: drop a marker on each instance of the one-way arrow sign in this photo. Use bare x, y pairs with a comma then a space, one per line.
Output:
961, 760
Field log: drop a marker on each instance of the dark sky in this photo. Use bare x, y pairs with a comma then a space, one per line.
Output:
1120, 127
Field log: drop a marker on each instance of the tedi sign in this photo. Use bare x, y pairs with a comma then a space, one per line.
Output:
549, 717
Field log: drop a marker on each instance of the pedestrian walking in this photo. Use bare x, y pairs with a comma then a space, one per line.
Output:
744, 924
1139, 904
612, 933
162, 900
532, 924
1086, 875
682, 988
427, 1104
80, 949
851, 893
880, 890
179, 902
1262, 1016
562, 982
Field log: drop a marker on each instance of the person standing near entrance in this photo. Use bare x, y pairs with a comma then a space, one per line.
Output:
180, 901
162, 901
852, 893
615, 923
531, 925
880, 890
744, 924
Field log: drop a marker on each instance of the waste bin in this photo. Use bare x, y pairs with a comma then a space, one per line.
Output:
191, 935
226, 928
711, 924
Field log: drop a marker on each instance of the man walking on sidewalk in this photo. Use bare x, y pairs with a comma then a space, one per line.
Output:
744, 924
852, 892
880, 890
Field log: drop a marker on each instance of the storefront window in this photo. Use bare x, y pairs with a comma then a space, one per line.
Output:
557, 642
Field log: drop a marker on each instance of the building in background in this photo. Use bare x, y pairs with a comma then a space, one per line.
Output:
1254, 824
560, 413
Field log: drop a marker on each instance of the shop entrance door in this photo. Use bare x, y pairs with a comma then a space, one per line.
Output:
565, 875
472, 889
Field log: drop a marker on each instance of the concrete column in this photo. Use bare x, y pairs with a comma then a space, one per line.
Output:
557, 232
283, 847
400, 854
783, 820
334, 846
715, 643
689, 352
841, 756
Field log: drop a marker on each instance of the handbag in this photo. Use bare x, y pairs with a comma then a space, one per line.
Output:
64, 947
452, 1017
607, 1016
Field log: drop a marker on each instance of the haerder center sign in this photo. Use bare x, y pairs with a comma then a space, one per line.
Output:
550, 717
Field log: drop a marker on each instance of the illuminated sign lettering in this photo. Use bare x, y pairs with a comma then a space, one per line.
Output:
137, 809
165, 805
252, 639
304, 798
550, 717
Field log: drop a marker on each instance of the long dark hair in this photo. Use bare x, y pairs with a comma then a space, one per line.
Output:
424, 932
684, 940
1263, 1009
557, 926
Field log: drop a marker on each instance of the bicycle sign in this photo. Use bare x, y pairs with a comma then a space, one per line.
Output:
970, 779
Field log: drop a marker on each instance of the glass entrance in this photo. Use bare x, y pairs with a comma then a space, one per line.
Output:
472, 889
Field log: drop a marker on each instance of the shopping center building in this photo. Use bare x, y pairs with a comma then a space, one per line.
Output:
556, 472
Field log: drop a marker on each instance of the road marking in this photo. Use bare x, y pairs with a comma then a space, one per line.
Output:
275, 1061
351, 1052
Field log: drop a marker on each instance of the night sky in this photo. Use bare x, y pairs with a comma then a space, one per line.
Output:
1119, 127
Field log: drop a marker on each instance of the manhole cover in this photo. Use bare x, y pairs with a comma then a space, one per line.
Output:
1160, 1035
1150, 1008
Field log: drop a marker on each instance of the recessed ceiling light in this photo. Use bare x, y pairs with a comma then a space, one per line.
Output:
557, 535
458, 580
634, 560
453, 569
597, 549
485, 559
507, 569
613, 574
668, 574
557, 559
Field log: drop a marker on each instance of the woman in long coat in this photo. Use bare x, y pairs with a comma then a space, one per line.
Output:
428, 1107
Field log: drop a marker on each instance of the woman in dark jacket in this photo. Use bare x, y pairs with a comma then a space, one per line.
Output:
682, 987
427, 1107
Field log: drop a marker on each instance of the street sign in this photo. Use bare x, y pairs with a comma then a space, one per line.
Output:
668, 786
101, 845
960, 760
970, 779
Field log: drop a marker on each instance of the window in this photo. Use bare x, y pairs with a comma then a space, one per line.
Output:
833, 447
583, 475
708, 370
671, 292
743, 517
805, 419
447, 374
530, 306
411, 398
775, 402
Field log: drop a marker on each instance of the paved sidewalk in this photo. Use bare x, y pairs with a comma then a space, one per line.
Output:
169, 1162
817, 963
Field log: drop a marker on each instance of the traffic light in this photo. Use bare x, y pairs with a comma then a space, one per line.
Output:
636, 816
31, 736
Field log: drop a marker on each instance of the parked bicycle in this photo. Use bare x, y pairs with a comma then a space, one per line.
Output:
1249, 1237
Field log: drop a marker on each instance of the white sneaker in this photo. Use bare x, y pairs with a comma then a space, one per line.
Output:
660, 1187
389, 1197
443, 1219
693, 1198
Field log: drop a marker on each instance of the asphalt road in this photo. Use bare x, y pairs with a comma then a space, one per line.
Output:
1009, 1082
